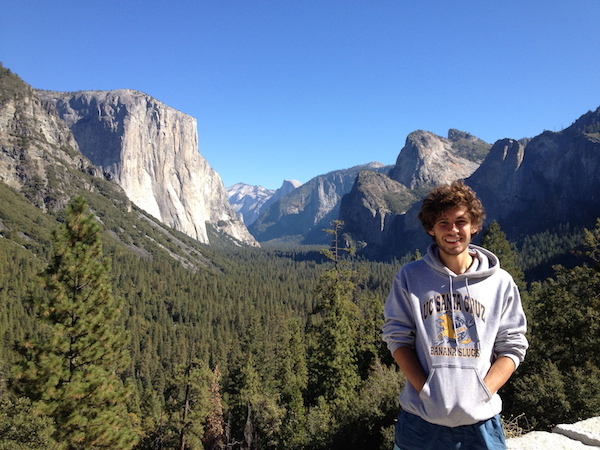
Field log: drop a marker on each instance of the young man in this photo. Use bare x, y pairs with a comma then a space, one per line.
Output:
456, 328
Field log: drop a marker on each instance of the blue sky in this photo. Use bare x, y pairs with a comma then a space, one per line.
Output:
293, 89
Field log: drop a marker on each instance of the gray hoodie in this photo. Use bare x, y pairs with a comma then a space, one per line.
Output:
458, 325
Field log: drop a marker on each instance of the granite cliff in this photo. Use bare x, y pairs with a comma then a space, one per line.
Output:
306, 211
151, 151
377, 203
531, 186
249, 201
374, 201
38, 155
429, 160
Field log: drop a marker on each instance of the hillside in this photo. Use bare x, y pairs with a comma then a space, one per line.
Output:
280, 346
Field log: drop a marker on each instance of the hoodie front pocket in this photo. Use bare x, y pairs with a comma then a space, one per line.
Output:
454, 391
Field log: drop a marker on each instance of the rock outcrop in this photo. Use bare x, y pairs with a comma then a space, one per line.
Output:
310, 208
38, 154
581, 435
532, 186
429, 160
249, 201
151, 151
371, 204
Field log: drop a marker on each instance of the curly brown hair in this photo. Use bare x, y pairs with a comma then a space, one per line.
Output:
446, 197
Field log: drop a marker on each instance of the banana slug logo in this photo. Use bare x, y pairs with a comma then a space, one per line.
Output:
452, 330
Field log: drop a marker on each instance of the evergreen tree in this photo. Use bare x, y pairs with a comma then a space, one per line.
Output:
72, 374
293, 378
592, 243
188, 406
494, 239
260, 403
334, 369
214, 434
21, 428
559, 380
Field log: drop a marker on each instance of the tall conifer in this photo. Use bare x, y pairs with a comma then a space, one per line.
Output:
494, 239
72, 374
334, 370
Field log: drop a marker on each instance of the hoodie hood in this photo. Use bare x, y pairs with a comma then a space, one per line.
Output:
485, 263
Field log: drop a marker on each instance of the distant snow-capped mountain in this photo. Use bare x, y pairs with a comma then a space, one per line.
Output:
249, 201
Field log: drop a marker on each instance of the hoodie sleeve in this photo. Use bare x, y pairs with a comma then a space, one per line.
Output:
399, 325
511, 340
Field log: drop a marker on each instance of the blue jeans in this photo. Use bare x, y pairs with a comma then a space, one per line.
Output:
414, 433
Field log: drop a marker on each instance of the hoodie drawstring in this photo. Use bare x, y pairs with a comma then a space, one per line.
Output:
452, 308
476, 337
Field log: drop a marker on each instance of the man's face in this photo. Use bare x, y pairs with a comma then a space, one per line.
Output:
453, 231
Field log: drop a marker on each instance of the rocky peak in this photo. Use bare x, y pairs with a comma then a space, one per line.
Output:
151, 151
468, 146
288, 186
374, 200
310, 208
249, 201
532, 185
429, 160
589, 123
495, 178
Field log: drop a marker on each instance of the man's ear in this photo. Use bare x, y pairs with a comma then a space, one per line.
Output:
430, 233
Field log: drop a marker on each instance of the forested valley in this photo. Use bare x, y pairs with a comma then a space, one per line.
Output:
272, 348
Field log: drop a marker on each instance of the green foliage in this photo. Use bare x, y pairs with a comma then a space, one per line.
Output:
188, 406
333, 363
11, 85
334, 373
23, 428
398, 203
473, 150
559, 382
72, 373
541, 393
367, 424
592, 243
495, 240
542, 249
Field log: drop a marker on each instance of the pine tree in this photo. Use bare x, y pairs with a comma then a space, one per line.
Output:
293, 378
214, 434
188, 406
72, 374
494, 239
334, 370
559, 381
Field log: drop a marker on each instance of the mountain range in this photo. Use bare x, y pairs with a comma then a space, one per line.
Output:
249, 201
54, 143
303, 214
528, 185
426, 160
